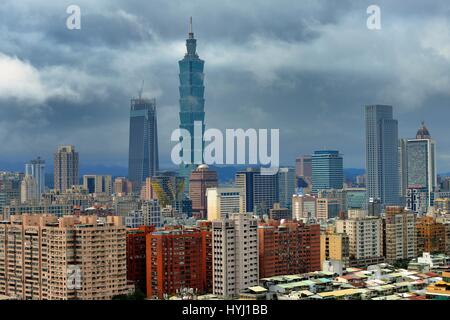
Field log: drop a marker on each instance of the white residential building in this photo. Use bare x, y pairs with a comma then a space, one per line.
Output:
235, 254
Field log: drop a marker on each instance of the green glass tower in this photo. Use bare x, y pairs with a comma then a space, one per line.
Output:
192, 103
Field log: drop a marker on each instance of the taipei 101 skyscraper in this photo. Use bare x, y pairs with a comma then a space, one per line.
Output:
192, 103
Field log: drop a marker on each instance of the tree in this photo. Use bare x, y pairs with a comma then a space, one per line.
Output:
136, 295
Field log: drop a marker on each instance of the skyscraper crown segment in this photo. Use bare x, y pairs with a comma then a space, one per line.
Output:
423, 132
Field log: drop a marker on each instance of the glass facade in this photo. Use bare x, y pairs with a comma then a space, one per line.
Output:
382, 156
143, 160
327, 170
417, 163
421, 173
192, 104
286, 186
356, 198
36, 169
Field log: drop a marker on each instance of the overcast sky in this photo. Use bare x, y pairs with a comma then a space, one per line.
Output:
306, 67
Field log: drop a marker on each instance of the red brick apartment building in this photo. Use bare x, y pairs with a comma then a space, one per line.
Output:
176, 259
136, 253
289, 248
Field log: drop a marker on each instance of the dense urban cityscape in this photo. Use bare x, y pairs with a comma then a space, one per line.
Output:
306, 232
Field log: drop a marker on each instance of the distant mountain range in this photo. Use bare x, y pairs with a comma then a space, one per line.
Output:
226, 173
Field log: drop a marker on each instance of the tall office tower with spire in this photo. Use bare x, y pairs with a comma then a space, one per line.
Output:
382, 163
421, 172
36, 169
192, 104
65, 168
143, 158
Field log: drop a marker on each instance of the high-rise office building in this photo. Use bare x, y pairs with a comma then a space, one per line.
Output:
201, 179
260, 191
400, 234
66, 168
235, 254
223, 201
167, 187
36, 169
303, 171
143, 158
286, 186
327, 170
421, 169
382, 164
97, 184
303, 166
403, 169
192, 104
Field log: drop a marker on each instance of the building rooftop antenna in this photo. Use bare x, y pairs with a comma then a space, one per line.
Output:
141, 90
191, 32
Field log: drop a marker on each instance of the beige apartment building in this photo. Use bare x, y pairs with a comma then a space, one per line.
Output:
235, 254
365, 239
42, 257
327, 208
334, 247
224, 201
400, 234
304, 207
65, 169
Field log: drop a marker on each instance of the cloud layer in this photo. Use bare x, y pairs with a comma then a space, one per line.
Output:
306, 67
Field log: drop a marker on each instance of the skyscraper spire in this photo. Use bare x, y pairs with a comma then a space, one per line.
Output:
141, 90
191, 33
191, 43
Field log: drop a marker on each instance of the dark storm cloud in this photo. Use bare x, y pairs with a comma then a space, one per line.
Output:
306, 67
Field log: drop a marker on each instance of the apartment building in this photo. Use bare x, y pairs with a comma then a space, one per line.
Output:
290, 247
175, 261
430, 235
235, 254
136, 256
334, 247
400, 234
43, 257
365, 234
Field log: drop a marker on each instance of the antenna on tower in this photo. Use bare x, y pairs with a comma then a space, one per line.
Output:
141, 90
191, 32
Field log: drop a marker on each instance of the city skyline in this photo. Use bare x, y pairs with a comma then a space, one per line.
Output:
56, 109
289, 151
